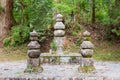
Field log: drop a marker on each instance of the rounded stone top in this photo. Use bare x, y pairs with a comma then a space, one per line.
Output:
87, 45
59, 25
86, 33
33, 45
59, 17
34, 33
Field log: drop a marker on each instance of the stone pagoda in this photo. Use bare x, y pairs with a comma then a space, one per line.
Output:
59, 32
86, 50
33, 52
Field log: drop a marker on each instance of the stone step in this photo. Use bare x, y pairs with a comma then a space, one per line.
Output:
61, 55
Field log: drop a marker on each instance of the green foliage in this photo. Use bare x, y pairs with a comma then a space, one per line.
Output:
87, 69
19, 34
1, 8
6, 42
117, 32
53, 45
29, 15
78, 41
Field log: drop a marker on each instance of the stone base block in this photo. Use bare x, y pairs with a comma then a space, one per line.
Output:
33, 65
33, 62
86, 62
86, 65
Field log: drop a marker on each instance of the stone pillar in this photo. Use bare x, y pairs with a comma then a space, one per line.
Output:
59, 33
33, 62
86, 50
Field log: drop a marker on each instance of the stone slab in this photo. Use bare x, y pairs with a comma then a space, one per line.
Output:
33, 61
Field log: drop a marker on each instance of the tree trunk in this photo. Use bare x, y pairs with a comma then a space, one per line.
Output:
6, 18
93, 12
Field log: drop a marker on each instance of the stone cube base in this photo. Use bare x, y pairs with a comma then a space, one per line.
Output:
86, 62
33, 62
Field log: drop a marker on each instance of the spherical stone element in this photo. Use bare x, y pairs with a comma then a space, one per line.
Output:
33, 53
86, 33
34, 33
59, 33
87, 45
33, 45
86, 52
59, 25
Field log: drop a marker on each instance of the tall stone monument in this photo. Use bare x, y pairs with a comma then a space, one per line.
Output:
33, 62
59, 33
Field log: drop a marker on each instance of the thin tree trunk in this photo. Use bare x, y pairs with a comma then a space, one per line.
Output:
93, 12
6, 19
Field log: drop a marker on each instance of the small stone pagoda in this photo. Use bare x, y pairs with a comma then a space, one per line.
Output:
33, 52
86, 50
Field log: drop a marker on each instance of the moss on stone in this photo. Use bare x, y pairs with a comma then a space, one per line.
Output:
86, 69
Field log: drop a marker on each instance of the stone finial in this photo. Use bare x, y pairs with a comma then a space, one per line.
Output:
59, 24
86, 33
59, 18
34, 34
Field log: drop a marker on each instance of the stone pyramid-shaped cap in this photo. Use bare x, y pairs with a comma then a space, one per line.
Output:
59, 17
87, 45
33, 45
86, 33
34, 34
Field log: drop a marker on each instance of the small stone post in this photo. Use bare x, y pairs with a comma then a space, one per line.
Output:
59, 33
33, 62
86, 50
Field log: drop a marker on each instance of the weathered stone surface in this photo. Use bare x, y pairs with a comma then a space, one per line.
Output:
33, 53
33, 62
86, 62
34, 34
87, 45
59, 25
59, 33
33, 45
86, 33
86, 52
34, 38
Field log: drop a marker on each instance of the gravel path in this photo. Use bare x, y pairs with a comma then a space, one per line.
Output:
108, 70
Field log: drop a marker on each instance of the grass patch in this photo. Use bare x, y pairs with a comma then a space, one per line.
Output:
107, 52
13, 53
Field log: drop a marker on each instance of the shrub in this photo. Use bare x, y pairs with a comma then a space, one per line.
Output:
53, 45
19, 35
